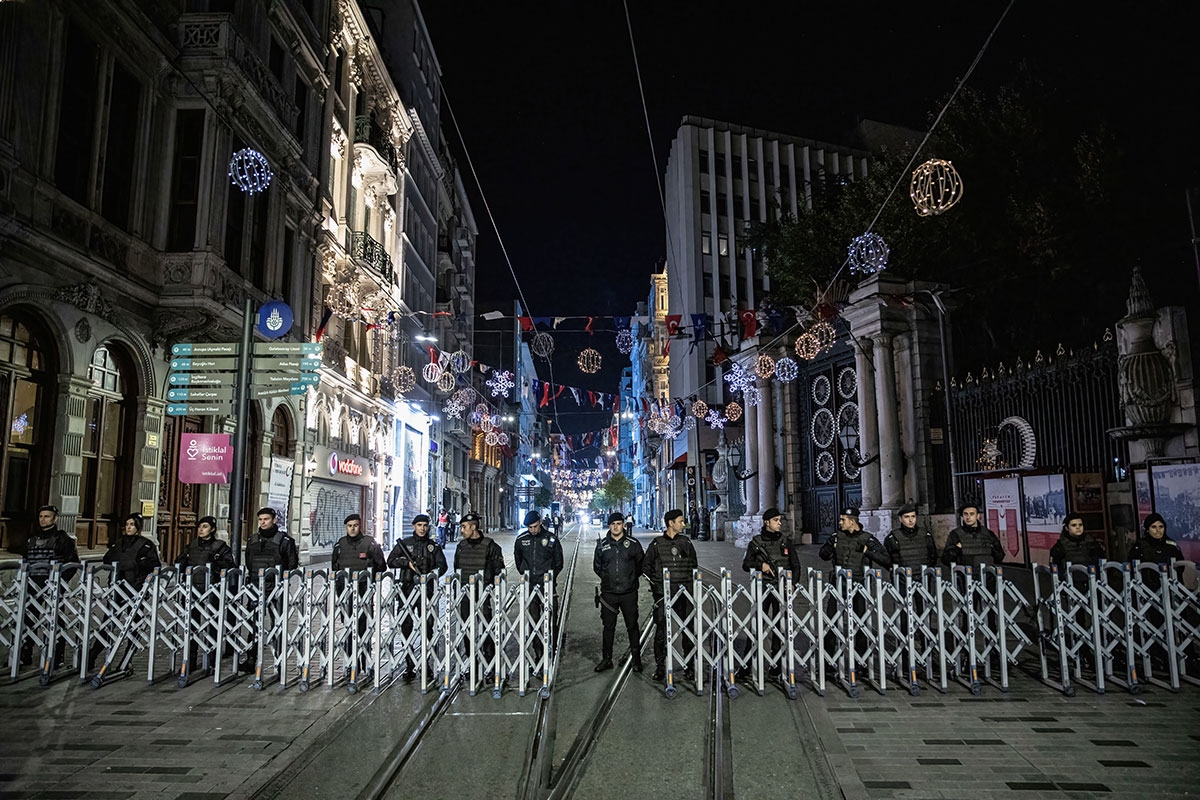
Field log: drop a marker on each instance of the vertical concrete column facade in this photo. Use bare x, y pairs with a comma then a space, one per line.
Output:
891, 457
751, 462
766, 447
868, 421
68, 461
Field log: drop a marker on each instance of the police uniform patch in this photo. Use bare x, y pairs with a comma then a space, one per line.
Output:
627, 543
544, 542
674, 550
429, 548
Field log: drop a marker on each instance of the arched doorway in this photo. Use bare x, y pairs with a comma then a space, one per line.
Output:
106, 476
28, 364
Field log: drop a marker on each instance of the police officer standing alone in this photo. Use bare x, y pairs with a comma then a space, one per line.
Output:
416, 556
266, 549
1074, 546
618, 561
673, 552
207, 556
538, 552
852, 547
476, 554
971, 543
359, 554
908, 547
48, 544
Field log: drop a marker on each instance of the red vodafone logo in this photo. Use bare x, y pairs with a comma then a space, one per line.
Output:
346, 466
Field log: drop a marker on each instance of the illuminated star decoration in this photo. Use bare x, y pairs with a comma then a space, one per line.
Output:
500, 383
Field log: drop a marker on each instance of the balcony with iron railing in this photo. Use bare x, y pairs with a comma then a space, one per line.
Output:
368, 132
373, 256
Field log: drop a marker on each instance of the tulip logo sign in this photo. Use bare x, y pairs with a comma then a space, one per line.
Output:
274, 319
205, 458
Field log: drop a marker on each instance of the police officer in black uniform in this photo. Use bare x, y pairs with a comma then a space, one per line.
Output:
971, 543
1154, 546
361, 555
134, 555
416, 556
1074, 546
476, 554
673, 552
852, 548
908, 547
538, 552
771, 553
207, 556
266, 549
49, 543
618, 561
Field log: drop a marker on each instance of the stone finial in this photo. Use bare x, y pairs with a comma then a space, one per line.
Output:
1139, 303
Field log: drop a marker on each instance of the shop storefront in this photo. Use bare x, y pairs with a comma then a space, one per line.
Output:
337, 488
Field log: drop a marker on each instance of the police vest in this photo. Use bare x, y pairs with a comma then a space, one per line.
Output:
422, 550
676, 556
976, 546
538, 554
264, 552
39, 552
913, 549
471, 557
1080, 551
849, 552
776, 551
1158, 551
201, 553
127, 559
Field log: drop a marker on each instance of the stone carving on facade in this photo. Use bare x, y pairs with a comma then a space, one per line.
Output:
87, 297
1145, 376
83, 331
177, 272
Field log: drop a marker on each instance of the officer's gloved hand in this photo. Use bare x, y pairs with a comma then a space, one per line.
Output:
403, 562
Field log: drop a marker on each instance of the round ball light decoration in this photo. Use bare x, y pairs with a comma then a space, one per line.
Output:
431, 372
492, 439
699, 408
867, 254
404, 380
485, 424
502, 439
464, 396
625, 342
460, 362
764, 367
825, 334
733, 412
249, 171
807, 346
446, 382
542, 344
752, 396
786, 370
589, 361
483, 410
935, 187
690, 424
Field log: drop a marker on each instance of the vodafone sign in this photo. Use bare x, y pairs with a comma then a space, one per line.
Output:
343, 467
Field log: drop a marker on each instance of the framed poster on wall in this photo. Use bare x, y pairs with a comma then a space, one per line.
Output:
1002, 505
1045, 506
1177, 497
1141, 494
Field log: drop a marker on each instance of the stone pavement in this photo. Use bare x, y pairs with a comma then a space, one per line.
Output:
128, 740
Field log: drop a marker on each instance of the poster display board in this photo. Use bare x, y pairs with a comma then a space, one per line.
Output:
1002, 504
279, 491
1176, 495
1045, 507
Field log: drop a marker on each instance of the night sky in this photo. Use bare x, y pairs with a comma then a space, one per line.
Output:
547, 98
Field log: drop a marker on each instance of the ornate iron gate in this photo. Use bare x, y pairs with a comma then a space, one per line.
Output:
827, 396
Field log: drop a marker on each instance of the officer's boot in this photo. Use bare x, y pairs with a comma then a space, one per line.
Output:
26, 653
94, 651
660, 673
635, 656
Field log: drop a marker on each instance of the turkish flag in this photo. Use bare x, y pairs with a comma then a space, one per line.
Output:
673, 321
749, 323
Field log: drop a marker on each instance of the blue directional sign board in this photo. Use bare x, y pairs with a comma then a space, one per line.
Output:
203, 375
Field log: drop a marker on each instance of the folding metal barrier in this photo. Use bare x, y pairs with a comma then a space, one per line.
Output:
117, 617
1183, 615
201, 597
1115, 625
998, 604
168, 619
921, 625
12, 610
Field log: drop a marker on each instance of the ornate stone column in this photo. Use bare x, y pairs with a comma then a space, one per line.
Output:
766, 447
891, 457
68, 453
868, 421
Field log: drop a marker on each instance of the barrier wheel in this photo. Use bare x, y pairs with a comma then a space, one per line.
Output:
669, 691
853, 691
44, 679
256, 685
352, 687
1069, 691
303, 686
1135, 689
181, 682
97, 682
791, 692
495, 694
976, 688
544, 692
732, 692
914, 690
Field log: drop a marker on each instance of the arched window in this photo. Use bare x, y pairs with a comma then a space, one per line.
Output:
282, 442
26, 426
105, 480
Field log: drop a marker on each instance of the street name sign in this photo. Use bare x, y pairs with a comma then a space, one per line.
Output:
188, 349
200, 395
202, 379
199, 409
221, 363
288, 348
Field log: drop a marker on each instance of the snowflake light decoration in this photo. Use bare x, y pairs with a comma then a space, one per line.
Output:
500, 383
733, 412
453, 409
738, 379
464, 396
249, 171
431, 372
764, 366
786, 370
542, 344
868, 253
589, 361
714, 420
625, 342
20, 424
404, 380
935, 187
699, 408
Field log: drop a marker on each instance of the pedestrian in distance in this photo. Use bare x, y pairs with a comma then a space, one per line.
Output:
442, 523
47, 544
1153, 545
852, 547
971, 543
477, 555
673, 551
538, 553
1074, 546
772, 552
416, 556
618, 561
361, 556
908, 547
266, 549
207, 556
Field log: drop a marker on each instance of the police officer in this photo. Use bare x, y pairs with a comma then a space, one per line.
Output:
618, 561
360, 555
207, 556
134, 555
1074, 546
971, 543
47, 544
416, 556
538, 552
771, 553
476, 554
1154, 546
852, 548
673, 552
908, 547
267, 548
